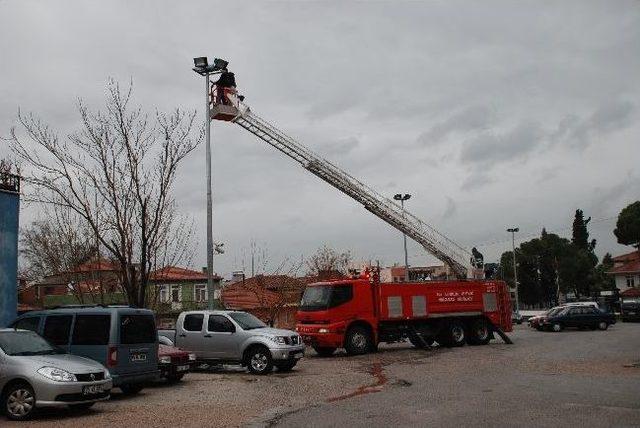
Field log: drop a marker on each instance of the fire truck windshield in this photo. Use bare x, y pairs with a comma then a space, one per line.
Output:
322, 297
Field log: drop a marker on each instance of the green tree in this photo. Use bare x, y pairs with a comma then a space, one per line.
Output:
603, 280
628, 225
584, 259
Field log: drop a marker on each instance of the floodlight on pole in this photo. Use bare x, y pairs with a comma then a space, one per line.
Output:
400, 197
512, 231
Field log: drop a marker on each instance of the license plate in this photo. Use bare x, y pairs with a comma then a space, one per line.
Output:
182, 368
92, 389
298, 355
138, 357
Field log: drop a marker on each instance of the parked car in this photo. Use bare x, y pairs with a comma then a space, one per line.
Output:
536, 321
237, 338
122, 338
34, 374
578, 317
173, 362
630, 309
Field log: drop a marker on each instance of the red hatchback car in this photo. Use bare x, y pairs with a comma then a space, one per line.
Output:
173, 362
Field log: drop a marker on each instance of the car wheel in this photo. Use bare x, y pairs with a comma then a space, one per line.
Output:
556, 327
358, 341
19, 402
479, 332
324, 351
603, 325
287, 366
82, 406
131, 388
259, 360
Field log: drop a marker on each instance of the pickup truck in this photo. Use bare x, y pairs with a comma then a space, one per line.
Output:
235, 337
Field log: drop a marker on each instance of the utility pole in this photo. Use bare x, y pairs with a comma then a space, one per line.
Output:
513, 231
203, 68
402, 198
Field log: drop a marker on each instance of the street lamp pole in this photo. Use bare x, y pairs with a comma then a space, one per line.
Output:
513, 231
402, 198
203, 68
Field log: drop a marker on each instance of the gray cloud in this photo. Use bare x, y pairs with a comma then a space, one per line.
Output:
489, 148
503, 91
475, 118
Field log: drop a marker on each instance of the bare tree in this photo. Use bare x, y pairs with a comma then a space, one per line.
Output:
116, 173
327, 263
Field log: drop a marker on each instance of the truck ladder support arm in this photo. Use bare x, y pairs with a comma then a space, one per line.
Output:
443, 248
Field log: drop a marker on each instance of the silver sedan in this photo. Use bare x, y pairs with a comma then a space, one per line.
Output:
34, 373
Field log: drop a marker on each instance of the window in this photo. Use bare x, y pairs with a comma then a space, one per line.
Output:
164, 293
30, 323
341, 294
57, 328
193, 322
137, 329
91, 330
175, 293
246, 320
200, 292
220, 324
631, 281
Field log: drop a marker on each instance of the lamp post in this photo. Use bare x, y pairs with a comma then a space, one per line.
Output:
203, 68
400, 197
513, 231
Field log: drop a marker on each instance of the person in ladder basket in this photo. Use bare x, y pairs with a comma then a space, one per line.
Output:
224, 85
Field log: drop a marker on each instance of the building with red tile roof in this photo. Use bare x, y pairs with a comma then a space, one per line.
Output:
626, 270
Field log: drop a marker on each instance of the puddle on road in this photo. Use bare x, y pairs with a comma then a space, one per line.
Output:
380, 379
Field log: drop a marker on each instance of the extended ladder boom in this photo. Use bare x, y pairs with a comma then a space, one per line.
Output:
452, 254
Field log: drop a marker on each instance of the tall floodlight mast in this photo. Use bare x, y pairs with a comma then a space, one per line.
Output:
228, 106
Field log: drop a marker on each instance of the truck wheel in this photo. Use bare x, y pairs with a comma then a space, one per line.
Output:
453, 335
358, 341
259, 360
324, 351
479, 332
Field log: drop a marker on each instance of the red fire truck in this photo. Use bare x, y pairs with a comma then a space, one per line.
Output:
357, 314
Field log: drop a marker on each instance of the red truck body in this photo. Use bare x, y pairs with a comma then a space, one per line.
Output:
422, 312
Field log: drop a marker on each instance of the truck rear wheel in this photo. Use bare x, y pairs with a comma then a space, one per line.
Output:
453, 335
478, 332
358, 341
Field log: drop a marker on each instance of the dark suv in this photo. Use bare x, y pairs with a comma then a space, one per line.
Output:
122, 338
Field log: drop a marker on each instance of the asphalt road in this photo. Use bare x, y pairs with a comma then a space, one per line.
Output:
572, 378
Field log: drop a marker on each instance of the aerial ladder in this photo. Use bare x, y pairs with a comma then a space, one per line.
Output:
228, 106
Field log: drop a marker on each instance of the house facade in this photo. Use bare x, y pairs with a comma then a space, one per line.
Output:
626, 271
272, 298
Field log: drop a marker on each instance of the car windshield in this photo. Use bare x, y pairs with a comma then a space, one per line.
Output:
246, 320
26, 343
554, 311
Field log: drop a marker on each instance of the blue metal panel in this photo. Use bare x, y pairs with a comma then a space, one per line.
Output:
9, 212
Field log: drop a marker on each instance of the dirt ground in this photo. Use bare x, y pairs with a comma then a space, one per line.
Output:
392, 385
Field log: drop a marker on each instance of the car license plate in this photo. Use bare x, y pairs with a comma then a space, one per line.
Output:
182, 368
298, 355
138, 357
92, 389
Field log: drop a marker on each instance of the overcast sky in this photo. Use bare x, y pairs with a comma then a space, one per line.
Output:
491, 114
